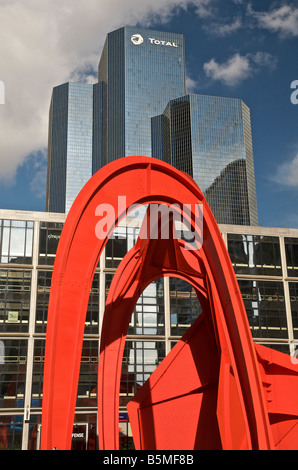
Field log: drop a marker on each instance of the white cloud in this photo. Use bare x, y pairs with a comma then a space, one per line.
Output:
191, 85
282, 20
204, 8
287, 173
224, 29
264, 59
238, 67
44, 44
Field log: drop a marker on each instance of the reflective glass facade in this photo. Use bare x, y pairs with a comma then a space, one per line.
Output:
142, 70
16, 241
255, 254
75, 149
209, 138
90, 125
139, 107
266, 267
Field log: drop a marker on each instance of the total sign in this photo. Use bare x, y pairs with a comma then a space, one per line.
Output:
137, 39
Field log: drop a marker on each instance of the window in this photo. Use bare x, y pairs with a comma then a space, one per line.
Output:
184, 306
15, 289
293, 288
116, 247
50, 233
255, 254
87, 387
16, 241
291, 246
148, 315
13, 372
265, 307
11, 430
140, 359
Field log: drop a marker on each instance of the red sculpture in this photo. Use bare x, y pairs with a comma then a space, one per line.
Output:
216, 389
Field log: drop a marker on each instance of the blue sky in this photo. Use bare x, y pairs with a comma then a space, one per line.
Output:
233, 48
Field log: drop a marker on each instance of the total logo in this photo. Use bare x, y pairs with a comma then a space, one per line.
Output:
137, 39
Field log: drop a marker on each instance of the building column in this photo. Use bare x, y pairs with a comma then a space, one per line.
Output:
30, 353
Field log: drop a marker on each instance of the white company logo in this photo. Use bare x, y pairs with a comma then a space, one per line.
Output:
137, 39
163, 43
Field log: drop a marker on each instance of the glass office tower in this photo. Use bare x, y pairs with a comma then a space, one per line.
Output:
209, 138
142, 70
139, 107
75, 142
90, 125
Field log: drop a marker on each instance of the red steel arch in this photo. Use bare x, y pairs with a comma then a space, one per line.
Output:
145, 180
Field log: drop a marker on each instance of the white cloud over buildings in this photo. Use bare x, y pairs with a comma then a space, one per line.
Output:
238, 67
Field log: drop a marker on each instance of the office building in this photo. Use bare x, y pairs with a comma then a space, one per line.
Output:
139, 107
90, 125
209, 138
142, 70
265, 261
74, 143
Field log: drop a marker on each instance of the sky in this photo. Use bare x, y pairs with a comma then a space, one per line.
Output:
233, 48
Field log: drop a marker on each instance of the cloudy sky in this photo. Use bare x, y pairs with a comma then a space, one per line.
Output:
234, 48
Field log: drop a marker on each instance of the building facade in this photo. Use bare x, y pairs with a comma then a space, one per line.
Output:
266, 265
209, 138
90, 125
74, 143
139, 107
142, 70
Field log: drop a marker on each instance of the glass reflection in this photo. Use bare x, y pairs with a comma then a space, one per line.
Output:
16, 241
291, 247
11, 430
293, 288
255, 254
15, 289
148, 315
13, 373
265, 307
49, 237
184, 306
140, 359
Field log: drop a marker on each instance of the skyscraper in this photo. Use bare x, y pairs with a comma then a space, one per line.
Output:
142, 70
70, 146
209, 138
90, 125
139, 107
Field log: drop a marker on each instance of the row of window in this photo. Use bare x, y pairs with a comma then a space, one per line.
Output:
140, 359
250, 254
264, 302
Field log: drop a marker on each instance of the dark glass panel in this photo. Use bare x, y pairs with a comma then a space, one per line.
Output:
265, 307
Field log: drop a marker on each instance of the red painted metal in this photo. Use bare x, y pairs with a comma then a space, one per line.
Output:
213, 369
